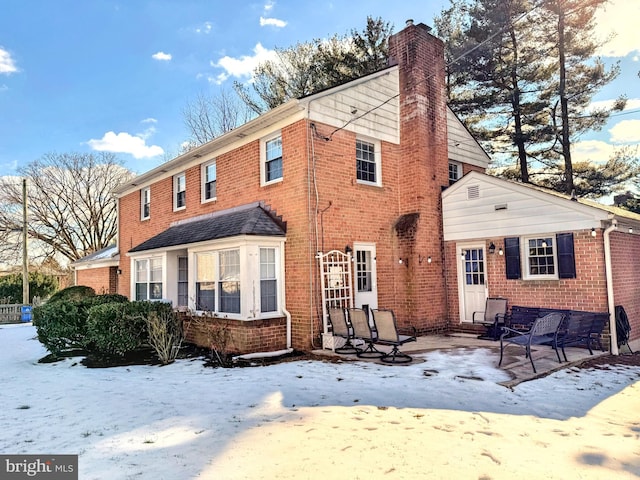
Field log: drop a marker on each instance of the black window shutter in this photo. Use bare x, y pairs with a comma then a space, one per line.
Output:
566, 257
512, 257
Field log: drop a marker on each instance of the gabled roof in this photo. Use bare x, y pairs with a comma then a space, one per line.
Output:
246, 220
106, 255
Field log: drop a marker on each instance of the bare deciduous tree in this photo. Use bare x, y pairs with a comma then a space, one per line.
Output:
209, 117
71, 210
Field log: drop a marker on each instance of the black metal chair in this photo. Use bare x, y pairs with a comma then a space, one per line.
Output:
543, 331
340, 328
493, 317
387, 328
362, 330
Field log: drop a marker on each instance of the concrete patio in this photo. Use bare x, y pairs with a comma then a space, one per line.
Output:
514, 361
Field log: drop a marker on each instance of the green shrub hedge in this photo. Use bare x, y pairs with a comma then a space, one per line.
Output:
76, 292
115, 329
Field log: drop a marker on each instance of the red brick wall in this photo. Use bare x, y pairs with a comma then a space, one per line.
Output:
102, 280
625, 257
588, 291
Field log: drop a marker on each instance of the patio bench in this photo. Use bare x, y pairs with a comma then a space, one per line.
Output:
521, 318
582, 328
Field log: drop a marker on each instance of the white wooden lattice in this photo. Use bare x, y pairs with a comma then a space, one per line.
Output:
335, 275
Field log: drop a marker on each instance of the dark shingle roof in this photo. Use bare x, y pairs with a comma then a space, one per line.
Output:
246, 221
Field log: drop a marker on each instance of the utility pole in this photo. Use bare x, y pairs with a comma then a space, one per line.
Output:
25, 259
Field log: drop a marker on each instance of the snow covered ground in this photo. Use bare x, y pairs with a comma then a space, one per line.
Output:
443, 418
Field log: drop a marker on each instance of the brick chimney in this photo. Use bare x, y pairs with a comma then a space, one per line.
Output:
424, 171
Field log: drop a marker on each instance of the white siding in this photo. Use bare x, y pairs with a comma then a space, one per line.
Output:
528, 211
462, 146
378, 95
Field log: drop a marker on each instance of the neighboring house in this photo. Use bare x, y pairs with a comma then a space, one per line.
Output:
98, 270
537, 248
235, 228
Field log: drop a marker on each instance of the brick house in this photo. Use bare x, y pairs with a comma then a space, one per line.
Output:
98, 270
536, 248
359, 174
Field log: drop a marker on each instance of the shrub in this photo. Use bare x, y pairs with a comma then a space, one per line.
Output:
115, 328
165, 334
61, 325
76, 292
40, 285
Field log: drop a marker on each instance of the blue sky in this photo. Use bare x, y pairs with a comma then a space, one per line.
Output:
115, 75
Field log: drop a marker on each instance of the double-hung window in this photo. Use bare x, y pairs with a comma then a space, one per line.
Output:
209, 181
268, 280
368, 162
540, 257
148, 279
455, 172
229, 281
271, 153
183, 281
205, 282
145, 203
179, 191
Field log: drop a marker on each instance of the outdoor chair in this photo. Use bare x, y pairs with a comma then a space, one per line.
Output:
623, 328
492, 317
341, 328
362, 330
543, 331
576, 330
387, 328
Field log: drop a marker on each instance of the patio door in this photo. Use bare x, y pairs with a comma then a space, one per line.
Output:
472, 280
366, 289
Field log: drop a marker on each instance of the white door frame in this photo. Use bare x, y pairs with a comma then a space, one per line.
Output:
481, 293
369, 298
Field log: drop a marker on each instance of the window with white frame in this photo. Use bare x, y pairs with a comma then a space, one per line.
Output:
145, 203
229, 281
368, 162
268, 280
540, 257
271, 159
179, 191
148, 279
205, 282
220, 275
209, 182
455, 172
183, 281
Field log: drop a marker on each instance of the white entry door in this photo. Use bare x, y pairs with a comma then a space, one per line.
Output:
472, 281
366, 289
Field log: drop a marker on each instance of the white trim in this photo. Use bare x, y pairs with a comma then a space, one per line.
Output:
263, 159
144, 190
133, 270
377, 156
524, 255
176, 178
203, 182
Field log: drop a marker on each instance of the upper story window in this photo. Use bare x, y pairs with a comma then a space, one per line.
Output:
148, 279
271, 159
209, 181
455, 172
145, 203
368, 162
179, 191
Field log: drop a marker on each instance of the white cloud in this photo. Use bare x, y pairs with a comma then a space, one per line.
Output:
268, 6
591, 150
7, 64
632, 104
149, 120
161, 56
626, 131
205, 28
243, 66
619, 17
123, 142
274, 22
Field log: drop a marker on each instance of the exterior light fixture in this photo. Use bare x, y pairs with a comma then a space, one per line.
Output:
429, 259
500, 251
593, 232
348, 249
492, 248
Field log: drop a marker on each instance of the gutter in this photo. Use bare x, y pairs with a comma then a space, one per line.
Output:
609, 276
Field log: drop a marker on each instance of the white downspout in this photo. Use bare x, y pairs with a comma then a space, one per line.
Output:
609, 276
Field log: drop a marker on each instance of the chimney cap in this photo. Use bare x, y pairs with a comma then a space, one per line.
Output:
409, 22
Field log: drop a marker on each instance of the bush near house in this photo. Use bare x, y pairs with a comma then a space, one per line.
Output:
76, 292
107, 325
